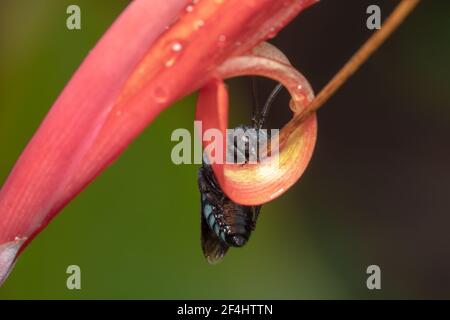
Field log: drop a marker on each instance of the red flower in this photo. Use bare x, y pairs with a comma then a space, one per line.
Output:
155, 53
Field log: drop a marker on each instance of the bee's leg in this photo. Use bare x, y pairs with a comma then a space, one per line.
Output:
255, 108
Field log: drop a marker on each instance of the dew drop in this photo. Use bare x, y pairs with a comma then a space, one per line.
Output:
170, 62
177, 46
198, 24
190, 8
272, 33
160, 94
222, 40
174, 50
300, 98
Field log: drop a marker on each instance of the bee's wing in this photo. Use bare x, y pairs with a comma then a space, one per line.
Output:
213, 248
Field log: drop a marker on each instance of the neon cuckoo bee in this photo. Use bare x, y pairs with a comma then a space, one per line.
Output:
225, 223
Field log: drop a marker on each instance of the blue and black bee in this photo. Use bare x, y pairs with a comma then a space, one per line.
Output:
225, 223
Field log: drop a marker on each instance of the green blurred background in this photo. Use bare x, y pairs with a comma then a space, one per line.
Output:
376, 192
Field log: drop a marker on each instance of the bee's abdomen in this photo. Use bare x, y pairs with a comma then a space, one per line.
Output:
210, 217
238, 224
230, 222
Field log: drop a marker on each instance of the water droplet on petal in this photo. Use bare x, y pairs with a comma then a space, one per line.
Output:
272, 33
177, 47
198, 24
174, 50
190, 8
222, 40
160, 94
170, 62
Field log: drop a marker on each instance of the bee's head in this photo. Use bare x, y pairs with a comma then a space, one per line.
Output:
244, 143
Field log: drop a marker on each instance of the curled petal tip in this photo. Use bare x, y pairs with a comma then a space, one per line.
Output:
8, 254
255, 184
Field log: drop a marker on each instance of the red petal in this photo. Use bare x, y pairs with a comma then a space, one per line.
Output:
127, 79
68, 150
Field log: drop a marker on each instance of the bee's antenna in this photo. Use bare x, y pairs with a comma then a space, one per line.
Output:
268, 104
255, 109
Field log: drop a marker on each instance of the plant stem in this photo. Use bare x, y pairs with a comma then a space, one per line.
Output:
370, 46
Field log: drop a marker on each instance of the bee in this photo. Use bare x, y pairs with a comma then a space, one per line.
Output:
224, 223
